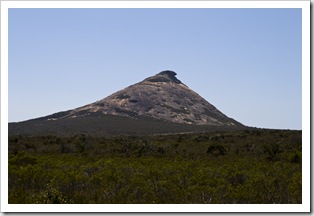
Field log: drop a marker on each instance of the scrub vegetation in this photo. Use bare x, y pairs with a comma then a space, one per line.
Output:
246, 166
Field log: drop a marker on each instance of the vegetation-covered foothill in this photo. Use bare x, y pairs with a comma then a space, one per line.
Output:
248, 166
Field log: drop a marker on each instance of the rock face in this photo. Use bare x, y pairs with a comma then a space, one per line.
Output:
162, 97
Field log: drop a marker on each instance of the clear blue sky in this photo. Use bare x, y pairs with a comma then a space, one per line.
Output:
246, 62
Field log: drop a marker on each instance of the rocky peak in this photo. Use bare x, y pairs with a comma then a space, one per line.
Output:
164, 76
161, 97
168, 73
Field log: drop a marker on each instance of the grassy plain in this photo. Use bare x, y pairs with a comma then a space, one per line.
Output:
247, 166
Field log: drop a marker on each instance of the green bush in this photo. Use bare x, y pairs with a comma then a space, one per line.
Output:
216, 150
51, 195
158, 169
296, 157
272, 150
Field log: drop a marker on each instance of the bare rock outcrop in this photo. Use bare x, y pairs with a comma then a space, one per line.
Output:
162, 97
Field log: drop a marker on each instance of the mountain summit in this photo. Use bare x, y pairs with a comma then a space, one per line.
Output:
162, 97
164, 76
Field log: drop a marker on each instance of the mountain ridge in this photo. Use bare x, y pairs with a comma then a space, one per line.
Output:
162, 98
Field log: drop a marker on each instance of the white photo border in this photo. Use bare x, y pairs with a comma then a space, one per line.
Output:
304, 207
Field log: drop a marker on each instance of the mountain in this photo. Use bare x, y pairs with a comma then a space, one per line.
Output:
162, 96
161, 100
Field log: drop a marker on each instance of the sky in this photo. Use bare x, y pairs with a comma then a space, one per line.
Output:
245, 62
